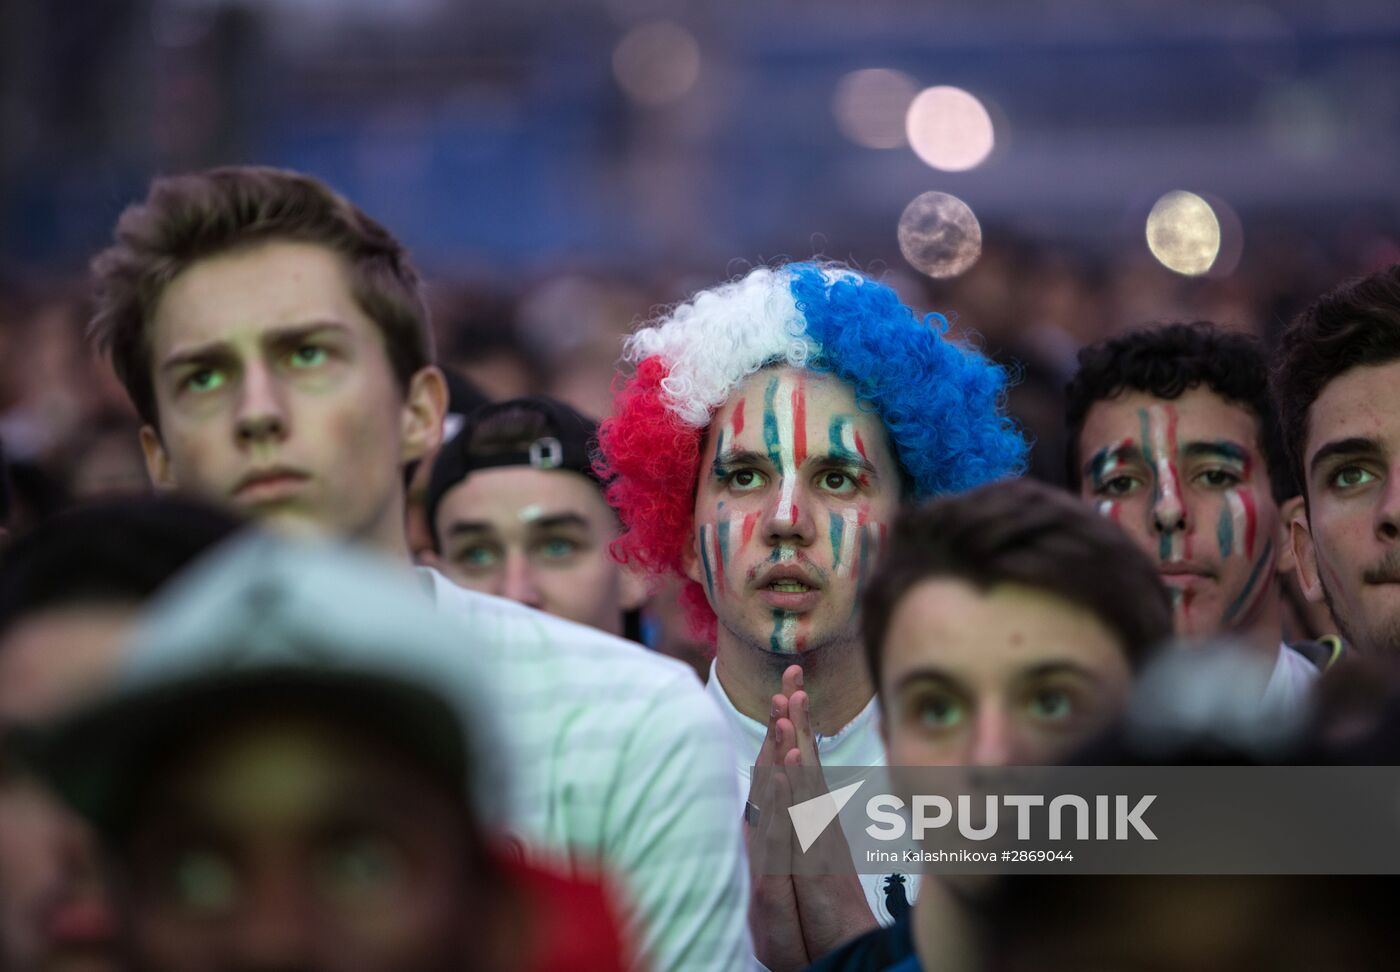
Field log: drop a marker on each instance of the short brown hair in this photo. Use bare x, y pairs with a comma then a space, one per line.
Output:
186, 218
1356, 323
1021, 532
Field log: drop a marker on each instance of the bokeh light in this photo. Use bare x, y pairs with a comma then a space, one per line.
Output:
657, 63
949, 129
1183, 233
939, 235
870, 106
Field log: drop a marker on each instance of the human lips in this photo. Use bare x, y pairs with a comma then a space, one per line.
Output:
788, 587
269, 484
1183, 571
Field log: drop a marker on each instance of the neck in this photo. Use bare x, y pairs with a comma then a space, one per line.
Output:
945, 928
834, 678
1262, 630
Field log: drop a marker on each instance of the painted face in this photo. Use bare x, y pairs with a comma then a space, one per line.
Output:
276, 395
54, 909
1348, 547
797, 487
1011, 676
1187, 480
291, 842
540, 538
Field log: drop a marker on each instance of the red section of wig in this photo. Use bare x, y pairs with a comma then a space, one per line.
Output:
650, 460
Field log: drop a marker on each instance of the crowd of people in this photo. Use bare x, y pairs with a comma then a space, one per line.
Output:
392, 671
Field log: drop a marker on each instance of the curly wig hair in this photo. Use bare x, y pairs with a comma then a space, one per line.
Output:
941, 402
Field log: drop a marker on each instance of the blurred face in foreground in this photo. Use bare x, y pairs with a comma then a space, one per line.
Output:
55, 914
290, 841
1009, 676
540, 538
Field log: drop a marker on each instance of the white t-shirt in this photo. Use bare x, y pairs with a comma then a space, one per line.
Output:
857, 744
1291, 683
618, 761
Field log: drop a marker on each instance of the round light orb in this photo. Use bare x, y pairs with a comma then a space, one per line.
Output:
656, 63
1183, 233
949, 129
870, 106
939, 235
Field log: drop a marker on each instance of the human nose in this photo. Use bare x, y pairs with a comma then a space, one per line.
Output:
789, 518
262, 410
1388, 509
518, 580
1169, 509
992, 738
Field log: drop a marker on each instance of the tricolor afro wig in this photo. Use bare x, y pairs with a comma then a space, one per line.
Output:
940, 401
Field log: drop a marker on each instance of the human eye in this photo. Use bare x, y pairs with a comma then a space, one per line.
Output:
1120, 485
1048, 704
203, 380
1350, 476
838, 482
558, 548
937, 710
1219, 478
308, 355
477, 556
744, 480
200, 879
360, 866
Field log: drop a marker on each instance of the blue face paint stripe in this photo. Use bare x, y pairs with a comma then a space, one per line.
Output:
838, 534
1225, 531
775, 641
1249, 584
723, 530
770, 424
705, 559
1164, 546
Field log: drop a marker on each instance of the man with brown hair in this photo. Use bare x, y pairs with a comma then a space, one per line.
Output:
274, 340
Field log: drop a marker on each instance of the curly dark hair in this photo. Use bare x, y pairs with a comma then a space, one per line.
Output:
1020, 531
1356, 323
1166, 360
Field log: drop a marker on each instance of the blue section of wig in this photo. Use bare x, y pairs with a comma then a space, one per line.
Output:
941, 402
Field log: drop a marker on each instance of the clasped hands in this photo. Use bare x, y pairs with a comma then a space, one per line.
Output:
795, 919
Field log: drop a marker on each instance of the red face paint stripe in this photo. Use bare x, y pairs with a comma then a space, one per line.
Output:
1171, 451
1247, 501
749, 522
738, 419
794, 514
799, 423
860, 446
799, 643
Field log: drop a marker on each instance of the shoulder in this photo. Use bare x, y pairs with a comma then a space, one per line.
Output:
880, 950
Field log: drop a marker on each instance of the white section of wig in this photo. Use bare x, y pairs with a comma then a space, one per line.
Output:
720, 337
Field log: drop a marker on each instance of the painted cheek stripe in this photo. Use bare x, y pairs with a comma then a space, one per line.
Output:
1250, 520
705, 560
778, 436
737, 420
1108, 508
750, 521
1251, 587
1225, 525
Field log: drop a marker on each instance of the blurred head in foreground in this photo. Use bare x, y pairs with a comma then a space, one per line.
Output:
70, 592
295, 770
1004, 626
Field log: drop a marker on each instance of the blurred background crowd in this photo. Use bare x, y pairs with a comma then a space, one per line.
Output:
1043, 175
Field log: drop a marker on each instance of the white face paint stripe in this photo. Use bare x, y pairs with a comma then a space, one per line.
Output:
1238, 521
848, 438
1104, 508
848, 542
787, 632
782, 411
786, 554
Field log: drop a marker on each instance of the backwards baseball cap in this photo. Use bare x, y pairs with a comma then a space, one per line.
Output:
305, 624
560, 437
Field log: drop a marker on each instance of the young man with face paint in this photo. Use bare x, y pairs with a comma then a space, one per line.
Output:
1173, 437
516, 511
760, 450
1337, 382
275, 342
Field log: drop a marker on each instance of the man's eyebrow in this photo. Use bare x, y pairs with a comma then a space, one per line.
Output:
740, 457
1217, 448
200, 353
1060, 666
1355, 446
470, 526
926, 675
846, 458
554, 521
1119, 452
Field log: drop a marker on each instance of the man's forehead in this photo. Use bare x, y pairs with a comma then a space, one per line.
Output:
519, 496
1361, 403
1198, 415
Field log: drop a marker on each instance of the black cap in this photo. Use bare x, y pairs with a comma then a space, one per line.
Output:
566, 441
